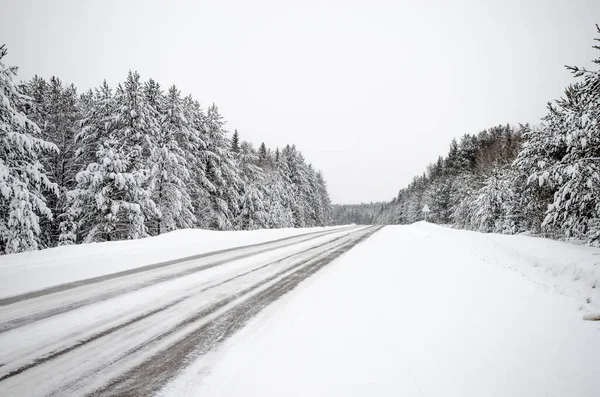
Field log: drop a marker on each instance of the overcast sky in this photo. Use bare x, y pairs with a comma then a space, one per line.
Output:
370, 91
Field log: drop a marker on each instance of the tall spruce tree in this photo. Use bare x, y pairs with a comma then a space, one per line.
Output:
56, 112
235, 142
23, 180
170, 172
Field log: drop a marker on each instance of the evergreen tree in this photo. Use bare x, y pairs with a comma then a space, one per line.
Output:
112, 199
170, 175
573, 128
262, 154
136, 162
325, 204
222, 173
235, 142
23, 180
56, 112
253, 207
198, 155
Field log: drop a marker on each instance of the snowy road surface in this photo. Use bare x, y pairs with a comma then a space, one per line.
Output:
129, 332
417, 310
421, 310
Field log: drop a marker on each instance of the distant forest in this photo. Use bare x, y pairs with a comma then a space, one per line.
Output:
512, 179
136, 161
361, 214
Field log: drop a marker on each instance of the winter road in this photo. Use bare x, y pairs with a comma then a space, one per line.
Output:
415, 310
425, 311
129, 333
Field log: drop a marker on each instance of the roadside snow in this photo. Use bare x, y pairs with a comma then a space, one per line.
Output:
566, 268
420, 310
30, 271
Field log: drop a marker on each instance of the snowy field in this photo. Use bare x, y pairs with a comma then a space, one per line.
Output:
419, 310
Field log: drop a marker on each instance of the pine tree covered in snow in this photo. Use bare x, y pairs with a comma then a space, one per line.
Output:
544, 180
23, 180
325, 200
112, 200
572, 132
492, 204
55, 111
297, 174
170, 173
222, 173
136, 161
253, 201
197, 154
279, 199
534, 194
235, 142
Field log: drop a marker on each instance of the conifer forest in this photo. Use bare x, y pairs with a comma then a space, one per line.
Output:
541, 179
136, 160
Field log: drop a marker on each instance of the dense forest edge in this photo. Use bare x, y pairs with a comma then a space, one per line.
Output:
136, 161
542, 180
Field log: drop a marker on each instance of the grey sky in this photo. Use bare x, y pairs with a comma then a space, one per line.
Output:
370, 91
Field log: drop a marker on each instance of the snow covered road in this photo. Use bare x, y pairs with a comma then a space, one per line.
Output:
421, 310
418, 310
129, 332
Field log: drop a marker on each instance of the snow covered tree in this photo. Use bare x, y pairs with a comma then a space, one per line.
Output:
325, 203
534, 191
491, 205
563, 157
360, 214
576, 205
135, 162
221, 171
278, 201
23, 180
235, 142
111, 200
262, 154
253, 210
197, 154
96, 109
296, 171
170, 173
55, 111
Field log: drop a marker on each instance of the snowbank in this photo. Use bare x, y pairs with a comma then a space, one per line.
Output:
30, 271
569, 269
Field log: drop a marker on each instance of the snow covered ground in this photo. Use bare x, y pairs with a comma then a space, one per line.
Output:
127, 333
418, 310
421, 310
29, 271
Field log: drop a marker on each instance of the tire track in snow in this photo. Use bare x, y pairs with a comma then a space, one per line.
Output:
63, 287
85, 341
150, 376
54, 360
11, 324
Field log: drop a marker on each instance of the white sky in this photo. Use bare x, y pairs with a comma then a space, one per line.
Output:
370, 91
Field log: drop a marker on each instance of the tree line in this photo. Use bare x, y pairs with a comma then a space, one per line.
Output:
136, 161
360, 214
543, 180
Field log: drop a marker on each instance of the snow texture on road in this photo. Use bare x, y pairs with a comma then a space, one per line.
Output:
421, 310
129, 333
35, 270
